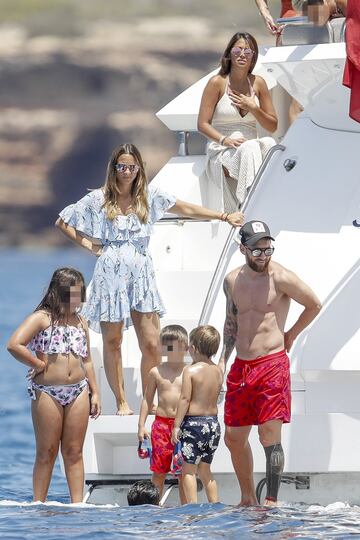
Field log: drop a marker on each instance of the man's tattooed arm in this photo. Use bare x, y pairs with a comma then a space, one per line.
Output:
230, 326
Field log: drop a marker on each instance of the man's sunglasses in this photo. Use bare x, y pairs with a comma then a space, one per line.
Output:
256, 252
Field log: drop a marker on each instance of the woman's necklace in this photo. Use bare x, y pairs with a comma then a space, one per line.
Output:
125, 206
244, 84
247, 93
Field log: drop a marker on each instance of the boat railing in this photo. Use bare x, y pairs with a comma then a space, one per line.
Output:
233, 237
183, 137
343, 31
308, 33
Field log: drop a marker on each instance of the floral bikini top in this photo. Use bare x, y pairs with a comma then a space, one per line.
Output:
60, 339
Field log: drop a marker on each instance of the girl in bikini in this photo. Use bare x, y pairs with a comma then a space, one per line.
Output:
54, 343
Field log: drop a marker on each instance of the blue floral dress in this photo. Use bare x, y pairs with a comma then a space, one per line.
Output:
124, 277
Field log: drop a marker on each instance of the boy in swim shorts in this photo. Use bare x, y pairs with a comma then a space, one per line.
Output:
196, 423
166, 380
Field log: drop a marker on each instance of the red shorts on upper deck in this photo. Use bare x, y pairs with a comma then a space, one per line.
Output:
258, 391
287, 10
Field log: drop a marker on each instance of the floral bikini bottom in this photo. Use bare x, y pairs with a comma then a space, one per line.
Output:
63, 393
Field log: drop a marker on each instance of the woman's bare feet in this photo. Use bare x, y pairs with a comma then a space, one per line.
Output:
124, 409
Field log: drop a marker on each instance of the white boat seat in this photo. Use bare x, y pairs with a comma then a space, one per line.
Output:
306, 34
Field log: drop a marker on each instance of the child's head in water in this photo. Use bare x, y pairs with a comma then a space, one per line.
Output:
143, 492
65, 294
174, 342
204, 341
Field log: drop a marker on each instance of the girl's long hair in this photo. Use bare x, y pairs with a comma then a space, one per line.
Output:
225, 62
138, 188
58, 292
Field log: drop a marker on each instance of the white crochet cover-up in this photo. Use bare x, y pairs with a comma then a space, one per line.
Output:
242, 162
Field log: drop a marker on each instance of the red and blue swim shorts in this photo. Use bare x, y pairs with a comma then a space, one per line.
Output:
258, 391
162, 447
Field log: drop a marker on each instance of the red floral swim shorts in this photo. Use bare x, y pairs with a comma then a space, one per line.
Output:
258, 391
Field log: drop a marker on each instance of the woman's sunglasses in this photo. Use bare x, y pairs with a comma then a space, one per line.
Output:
122, 167
237, 51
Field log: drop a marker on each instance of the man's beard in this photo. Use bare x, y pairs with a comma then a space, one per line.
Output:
256, 266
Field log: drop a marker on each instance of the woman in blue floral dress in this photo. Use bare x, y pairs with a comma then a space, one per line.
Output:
115, 222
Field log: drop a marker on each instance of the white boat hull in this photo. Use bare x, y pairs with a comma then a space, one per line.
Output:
312, 211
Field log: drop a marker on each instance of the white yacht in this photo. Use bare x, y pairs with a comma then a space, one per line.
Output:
308, 191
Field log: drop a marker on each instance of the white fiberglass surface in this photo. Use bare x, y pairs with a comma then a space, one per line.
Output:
311, 211
181, 113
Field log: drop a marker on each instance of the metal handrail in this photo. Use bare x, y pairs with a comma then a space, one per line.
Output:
343, 32
234, 231
183, 143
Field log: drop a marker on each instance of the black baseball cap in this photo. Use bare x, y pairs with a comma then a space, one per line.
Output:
253, 231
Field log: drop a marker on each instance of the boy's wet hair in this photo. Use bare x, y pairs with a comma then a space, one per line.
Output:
205, 340
58, 293
143, 492
173, 332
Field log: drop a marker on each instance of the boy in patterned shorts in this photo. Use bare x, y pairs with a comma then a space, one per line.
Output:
166, 380
196, 423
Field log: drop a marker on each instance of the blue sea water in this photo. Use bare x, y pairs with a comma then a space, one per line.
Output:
24, 275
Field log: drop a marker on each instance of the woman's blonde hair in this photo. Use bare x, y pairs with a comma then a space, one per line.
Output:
138, 190
205, 340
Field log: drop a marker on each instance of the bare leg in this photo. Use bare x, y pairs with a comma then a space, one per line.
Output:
182, 496
208, 482
47, 417
189, 482
236, 439
147, 328
294, 110
226, 172
270, 435
112, 338
76, 417
158, 479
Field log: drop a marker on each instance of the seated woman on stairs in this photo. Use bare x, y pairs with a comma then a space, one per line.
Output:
233, 102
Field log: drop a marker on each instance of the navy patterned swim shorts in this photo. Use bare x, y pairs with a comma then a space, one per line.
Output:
199, 436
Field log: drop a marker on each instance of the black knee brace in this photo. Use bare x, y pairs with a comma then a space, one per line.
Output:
274, 468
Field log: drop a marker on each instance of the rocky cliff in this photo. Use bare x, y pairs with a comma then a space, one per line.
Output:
65, 102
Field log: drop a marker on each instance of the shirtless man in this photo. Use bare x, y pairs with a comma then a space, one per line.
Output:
196, 423
166, 380
258, 298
